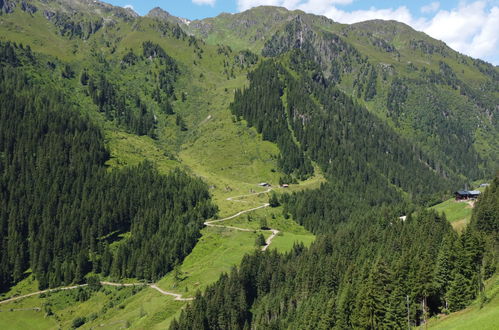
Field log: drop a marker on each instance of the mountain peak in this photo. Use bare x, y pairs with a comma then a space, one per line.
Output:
160, 13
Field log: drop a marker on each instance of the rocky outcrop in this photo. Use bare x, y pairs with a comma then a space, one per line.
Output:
7, 6
28, 7
327, 49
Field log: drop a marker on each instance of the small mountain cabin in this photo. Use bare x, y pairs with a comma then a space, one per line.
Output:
466, 194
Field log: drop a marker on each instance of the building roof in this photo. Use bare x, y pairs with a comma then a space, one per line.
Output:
468, 192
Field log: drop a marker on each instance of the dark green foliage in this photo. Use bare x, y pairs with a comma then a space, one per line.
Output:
178, 207
319, 287
167, 107
152, 50
78, 322
428, 47
245, 59
366, 82
260, 241
68, 72
84, 77
179, 121
75, 24
166, 80
260, 104
129, 59
486, 212
93, 282
349, 142
129, 111
60, 206
274, 200
397, 95
169, 72
8, 54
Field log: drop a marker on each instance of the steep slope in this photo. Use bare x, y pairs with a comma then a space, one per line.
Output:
163, 15
320, 104
155, 94
441, 100
247, 30
100, 89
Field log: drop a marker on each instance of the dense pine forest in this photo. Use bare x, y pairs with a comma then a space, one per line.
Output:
367, 163
268, 169
376, 271
62, 209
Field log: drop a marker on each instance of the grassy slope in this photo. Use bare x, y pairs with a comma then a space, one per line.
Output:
242, 29
21, 314
458, 213
217, 251
476, 316
26, 320
229, 156
247, 30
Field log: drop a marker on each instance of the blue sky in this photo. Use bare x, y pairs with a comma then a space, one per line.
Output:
471, 27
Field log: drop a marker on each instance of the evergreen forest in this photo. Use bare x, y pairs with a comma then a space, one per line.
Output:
269, 169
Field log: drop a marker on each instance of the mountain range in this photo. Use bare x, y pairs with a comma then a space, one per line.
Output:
122, 136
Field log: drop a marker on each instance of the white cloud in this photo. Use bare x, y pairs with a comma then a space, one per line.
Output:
471, 28
204, 2
401, 14
128, 7
312, 6
430, 8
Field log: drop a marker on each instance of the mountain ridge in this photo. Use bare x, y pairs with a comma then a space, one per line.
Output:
360, 124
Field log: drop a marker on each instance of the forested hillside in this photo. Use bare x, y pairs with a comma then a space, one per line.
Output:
62, 208
440, 100
131, 147
366, 162
375, 271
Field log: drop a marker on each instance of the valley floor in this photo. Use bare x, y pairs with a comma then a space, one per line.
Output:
223, 244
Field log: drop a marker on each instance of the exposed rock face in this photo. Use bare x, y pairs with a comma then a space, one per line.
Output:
48, 14
28, 7
7, 6
326, 48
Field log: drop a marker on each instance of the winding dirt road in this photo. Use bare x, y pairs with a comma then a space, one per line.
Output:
234, 199
177, 296
40, 292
